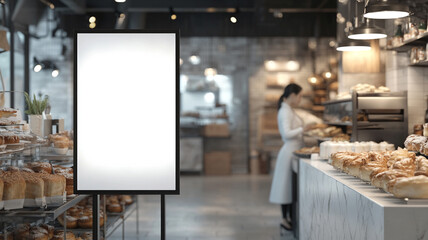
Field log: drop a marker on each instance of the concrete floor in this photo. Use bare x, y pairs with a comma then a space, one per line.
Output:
223, 208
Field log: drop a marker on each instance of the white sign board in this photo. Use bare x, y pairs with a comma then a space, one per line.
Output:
126, 112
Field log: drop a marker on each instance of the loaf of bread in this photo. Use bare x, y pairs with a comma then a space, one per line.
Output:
14, 185
34, 191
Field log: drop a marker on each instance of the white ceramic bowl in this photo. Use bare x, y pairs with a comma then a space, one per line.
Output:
61, 151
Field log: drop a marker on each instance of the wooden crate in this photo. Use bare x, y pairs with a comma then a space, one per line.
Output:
217, 130
217, 163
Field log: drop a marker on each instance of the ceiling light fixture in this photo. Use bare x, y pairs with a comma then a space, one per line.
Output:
172, 14
367, 31
37, 65
386, 9
55, 72
120, 1
92, 25
234, 18
195, 59
348, 46
92, 19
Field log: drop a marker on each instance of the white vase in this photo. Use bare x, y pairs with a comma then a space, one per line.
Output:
36, 124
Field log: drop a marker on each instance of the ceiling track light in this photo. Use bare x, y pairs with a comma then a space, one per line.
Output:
37, 65
172, 14
45, 65
352, 46
386, 9
234, 17
367, 31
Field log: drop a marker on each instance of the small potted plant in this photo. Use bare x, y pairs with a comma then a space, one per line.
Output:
35, 109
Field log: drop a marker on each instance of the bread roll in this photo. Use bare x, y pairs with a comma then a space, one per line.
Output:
411, 187
49, 229
38, 233
59, 235
40, 167
71, 221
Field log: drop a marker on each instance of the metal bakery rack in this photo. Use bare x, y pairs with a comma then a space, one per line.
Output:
42, 152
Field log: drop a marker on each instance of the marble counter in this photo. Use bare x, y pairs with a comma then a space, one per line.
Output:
334, 205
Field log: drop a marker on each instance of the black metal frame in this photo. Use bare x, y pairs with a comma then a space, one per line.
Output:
177, 122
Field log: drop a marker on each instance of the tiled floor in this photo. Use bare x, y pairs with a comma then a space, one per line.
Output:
223, 208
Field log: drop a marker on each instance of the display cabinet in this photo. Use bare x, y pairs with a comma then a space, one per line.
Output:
371, 116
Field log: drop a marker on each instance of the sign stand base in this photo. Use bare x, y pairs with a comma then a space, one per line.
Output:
95, 216
162, 216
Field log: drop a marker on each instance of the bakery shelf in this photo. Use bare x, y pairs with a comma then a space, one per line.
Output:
114, 221
419, 64
421, 40
49, 214
340, 123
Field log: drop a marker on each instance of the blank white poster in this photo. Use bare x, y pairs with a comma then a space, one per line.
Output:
126, 111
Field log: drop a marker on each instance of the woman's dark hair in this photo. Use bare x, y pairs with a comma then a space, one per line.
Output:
288, 90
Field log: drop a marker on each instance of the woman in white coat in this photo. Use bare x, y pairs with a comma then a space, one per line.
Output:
291, 129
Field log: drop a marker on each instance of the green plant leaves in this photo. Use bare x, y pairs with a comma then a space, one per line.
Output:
35, 106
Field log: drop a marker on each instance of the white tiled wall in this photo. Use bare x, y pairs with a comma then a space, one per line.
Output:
401, 77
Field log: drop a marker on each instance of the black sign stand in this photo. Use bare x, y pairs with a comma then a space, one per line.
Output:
162, 216
95, 216
95, 192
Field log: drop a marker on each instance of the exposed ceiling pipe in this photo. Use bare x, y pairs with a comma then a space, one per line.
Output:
78, 6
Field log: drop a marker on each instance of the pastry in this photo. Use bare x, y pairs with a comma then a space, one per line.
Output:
38, 233
425, 132
9, 137
49, 229
86, 236
8, 112
421, 166
14, 185
411, 187
28, 170
370, 168
22, 231
9, 236
339, 158
381, 179
71, 221
85, 221
408, 143
114, 207
40, 167
59, 235
61, 144
127, 199
406, 165
353, 167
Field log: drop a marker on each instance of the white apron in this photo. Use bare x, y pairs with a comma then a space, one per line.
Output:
291, 130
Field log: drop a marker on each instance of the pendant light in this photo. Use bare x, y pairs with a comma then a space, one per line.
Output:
349, 46
367, 31
210, 72
386, 9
